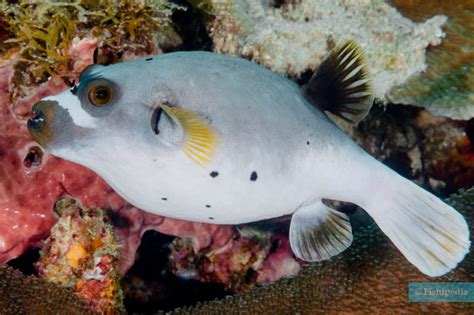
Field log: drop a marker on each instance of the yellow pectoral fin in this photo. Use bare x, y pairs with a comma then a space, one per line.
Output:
199, 141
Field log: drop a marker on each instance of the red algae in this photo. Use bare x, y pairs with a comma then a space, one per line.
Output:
28, 191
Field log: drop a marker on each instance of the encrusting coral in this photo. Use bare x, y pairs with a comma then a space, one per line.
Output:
295, 36
446, 88
82, 253
245, 261
370, 277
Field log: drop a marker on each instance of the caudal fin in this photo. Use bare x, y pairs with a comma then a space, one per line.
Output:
430, 234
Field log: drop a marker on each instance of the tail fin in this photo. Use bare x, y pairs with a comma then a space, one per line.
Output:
430, 234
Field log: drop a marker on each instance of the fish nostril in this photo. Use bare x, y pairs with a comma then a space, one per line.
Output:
34, 157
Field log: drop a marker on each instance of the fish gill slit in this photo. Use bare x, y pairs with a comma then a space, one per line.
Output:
155, 120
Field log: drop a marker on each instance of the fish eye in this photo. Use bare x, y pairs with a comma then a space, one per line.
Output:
100, 95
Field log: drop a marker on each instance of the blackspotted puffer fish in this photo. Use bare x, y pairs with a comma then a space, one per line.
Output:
211, 138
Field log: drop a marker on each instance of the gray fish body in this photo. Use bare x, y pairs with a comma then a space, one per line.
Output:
210, 138
264, 124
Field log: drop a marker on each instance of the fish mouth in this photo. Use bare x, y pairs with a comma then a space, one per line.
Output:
155, 119
40, 122
36, 120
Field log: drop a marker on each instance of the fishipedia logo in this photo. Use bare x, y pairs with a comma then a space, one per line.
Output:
441, 292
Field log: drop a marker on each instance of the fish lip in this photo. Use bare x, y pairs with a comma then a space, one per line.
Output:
37, 119
40, 123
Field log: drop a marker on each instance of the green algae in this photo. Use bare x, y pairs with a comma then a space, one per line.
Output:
39, 34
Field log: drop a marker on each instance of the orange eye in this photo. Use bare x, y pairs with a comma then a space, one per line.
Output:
100, 95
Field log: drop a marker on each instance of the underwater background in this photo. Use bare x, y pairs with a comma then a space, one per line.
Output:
70, 244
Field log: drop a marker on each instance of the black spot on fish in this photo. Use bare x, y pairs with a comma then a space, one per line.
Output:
211, 218
307, 142
164, 199
214, 174
148, 59
253, 176
208, 206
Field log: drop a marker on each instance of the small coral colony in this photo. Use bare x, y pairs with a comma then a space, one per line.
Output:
154, 148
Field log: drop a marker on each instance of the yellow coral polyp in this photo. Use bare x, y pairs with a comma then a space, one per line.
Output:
75, 254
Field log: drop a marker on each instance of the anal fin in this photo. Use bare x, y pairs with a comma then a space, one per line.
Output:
318, 232
341, 84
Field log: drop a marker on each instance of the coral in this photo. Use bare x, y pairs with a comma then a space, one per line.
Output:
20, 294
446, 88
294, 37
247, 260
370, 277
463, 200
82, 253
42, 32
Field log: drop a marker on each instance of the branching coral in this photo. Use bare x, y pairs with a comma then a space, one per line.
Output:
42, 32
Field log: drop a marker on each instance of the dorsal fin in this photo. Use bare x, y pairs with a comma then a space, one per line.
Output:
341, 84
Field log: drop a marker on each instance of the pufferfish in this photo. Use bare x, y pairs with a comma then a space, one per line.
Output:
211, 138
